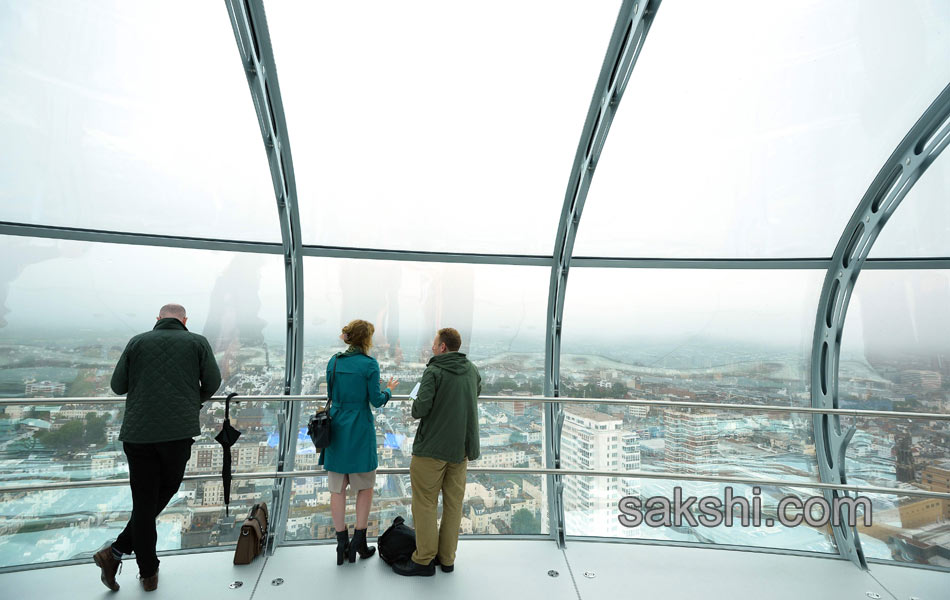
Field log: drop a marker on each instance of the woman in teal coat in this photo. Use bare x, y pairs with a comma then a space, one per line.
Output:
350, 459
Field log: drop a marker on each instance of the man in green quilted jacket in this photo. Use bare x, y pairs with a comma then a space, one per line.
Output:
447, 438
166, 374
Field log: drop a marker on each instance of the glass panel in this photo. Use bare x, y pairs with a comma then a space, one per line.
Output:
499, 312
909, 529
68, 524
600, 516
493, 505
697, 335
117, 116
67, 310
510, 436
716, 335
898, 453
761, 143
721, 443
895, 349
453, 129
894, 356
921, 224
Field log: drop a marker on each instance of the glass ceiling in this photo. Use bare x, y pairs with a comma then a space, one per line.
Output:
758, 146
920, 226
118, 116
433, 126
760, 140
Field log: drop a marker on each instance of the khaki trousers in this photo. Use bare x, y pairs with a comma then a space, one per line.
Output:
429, 476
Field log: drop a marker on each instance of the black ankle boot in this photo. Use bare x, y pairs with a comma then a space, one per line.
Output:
359, 545
342, 545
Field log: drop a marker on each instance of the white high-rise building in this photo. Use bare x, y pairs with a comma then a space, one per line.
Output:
593, 440
630, 453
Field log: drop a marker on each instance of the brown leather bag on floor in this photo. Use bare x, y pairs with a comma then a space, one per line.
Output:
253, 535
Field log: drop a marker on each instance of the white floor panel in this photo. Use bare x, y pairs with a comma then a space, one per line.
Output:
484, 570
907, 583
200, 576
674, 573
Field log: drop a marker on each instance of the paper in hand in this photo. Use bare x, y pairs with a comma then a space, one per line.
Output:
415, 391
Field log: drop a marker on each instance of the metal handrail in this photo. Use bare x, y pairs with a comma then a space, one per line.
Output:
666, 475
757, 408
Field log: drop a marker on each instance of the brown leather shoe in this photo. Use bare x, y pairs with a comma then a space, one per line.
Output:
150, 584
109, 566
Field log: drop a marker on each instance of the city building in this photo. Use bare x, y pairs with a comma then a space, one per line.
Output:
691, 446
906, 472
918, 378
45, 389
595, 441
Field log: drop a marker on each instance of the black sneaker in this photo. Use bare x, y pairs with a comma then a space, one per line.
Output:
445, 568
410, 568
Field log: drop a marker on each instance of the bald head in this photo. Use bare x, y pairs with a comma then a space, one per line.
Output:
173, 311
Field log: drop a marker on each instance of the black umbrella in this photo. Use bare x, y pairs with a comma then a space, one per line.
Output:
226, 437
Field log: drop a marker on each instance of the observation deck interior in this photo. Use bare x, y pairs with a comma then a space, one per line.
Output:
440, 182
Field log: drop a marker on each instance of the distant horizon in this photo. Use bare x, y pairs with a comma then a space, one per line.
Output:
642, 351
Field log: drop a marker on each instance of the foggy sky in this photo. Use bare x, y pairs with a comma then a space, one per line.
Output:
75, 287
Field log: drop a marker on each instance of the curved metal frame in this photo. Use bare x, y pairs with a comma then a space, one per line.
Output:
104, 236
630, 31
257, 56
919, 148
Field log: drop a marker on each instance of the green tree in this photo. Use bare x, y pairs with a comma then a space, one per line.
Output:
523, 521
69, 436
43, 415
95, 430
506, 383
83, 385
516, 438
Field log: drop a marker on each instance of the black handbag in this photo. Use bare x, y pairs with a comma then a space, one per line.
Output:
319, 426
397, 543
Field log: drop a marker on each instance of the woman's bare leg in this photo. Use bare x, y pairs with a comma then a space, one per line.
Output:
338, 506
364, 501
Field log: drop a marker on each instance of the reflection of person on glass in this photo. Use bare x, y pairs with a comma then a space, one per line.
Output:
379, 301
353, 382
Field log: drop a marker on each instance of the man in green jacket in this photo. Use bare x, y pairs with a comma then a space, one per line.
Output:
447, 438
166, 373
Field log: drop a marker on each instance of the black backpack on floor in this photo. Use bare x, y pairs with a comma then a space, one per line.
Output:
397, 543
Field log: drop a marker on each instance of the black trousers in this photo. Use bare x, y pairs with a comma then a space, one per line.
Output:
155, 474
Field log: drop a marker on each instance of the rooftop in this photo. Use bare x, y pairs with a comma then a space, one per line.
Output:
590, 414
